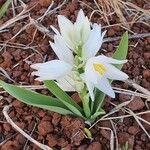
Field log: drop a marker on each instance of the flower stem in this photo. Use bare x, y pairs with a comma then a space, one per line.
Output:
85, 102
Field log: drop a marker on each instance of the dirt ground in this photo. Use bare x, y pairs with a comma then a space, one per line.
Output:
31, 45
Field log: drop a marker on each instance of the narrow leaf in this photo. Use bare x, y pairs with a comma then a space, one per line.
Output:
35, 99
64, 97
4, 8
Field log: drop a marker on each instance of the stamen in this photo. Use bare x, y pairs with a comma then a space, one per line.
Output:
99, 68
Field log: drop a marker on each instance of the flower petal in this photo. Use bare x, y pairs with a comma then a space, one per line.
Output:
66, 83
80, 17
51, 70
114, 73
61, 50
104, 86
90, 87
55, 30
85, 30
93, 43
105, 59
66, 27
89, 73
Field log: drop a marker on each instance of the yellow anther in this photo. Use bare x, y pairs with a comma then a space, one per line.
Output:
99, 68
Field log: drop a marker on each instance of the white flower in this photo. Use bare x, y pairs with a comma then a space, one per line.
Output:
97, 72
80, 37
59, 70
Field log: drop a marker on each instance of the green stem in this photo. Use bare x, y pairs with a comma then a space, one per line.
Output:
85, 102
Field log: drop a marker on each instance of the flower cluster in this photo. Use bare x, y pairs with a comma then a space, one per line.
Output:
77, 66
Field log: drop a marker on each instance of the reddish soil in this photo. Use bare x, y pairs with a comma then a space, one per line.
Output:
55, 130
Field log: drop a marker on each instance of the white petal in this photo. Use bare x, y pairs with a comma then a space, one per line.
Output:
104, 59
61, 50
55, 30
83, 26
89, 73
66, 83
66, 28
51, 70
90, 87
104, 86
85, 30
80, 17
93, 43
114, 73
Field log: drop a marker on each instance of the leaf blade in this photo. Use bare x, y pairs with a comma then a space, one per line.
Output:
64, 97
4, 8
35, 99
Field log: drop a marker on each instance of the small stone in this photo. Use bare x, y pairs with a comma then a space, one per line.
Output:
17, 103
56, 118
136, 104
20, 138
105, 133
133, 130
45, 127
146, 73
94, 146
62, 142
147, 55
111, 32
52, 141
7, 127
124, 137
45, 3
123, 97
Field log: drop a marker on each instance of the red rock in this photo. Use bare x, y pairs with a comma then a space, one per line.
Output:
124, 137
10, 145
138, 147
133, 130
45, 3
62, 142
68, 147
105, 133
20, 124
136, 104
41, 113
123, 97
145, 83
146, 73
94, 146
20, 138
147, 55
52, 141
56, 118
7, 127
45, 127
110, 47
17, 103
111, 32
148, 145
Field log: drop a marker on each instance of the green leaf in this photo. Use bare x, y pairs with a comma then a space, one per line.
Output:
120, 53
64, 97
4, 8
98, 113
35, 99
122, 50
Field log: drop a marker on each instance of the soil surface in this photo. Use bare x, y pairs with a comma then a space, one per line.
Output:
53, 129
